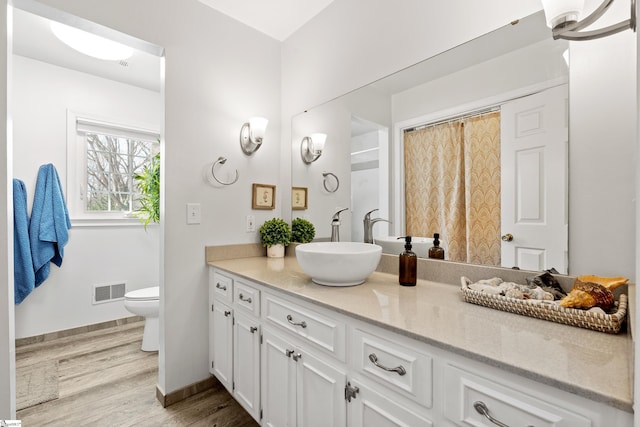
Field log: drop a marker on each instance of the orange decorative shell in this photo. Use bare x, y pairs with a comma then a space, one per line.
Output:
608, 282
587, 295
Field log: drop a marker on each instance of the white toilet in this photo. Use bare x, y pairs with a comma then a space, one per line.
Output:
146, 302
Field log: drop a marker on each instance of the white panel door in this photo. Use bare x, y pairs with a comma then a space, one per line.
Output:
370, 409
246, 363
222, 344
320, 392
534, 140
278, 381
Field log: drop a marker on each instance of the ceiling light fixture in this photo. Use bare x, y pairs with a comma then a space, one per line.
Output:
90, 44
562, 18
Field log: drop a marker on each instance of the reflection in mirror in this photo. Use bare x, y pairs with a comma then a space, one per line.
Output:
367, 150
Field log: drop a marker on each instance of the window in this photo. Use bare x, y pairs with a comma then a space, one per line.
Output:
103, 161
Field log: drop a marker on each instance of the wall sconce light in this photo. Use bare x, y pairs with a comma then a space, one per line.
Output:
311, 147
252, 134
562, 18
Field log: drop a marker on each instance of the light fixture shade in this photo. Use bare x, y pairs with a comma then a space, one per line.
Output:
90, 44
318, 141
258, 128
557, 11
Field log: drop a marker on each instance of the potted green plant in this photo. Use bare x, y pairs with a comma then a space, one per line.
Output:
149, 184
275, 234
302, 231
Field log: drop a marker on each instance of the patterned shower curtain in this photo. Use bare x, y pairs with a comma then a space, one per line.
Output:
452, 186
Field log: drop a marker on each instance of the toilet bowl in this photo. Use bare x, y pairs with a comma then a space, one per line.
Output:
146, 302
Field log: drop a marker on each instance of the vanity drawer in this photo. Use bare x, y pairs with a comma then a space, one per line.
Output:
314, 326
465, 390
246, 297
221, 286
399, 367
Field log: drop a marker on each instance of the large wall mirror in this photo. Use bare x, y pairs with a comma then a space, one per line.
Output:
379, 153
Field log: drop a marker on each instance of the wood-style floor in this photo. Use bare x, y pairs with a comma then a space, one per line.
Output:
104, 379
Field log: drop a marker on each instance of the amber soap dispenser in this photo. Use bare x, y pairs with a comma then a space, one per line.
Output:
408, 267
436, 251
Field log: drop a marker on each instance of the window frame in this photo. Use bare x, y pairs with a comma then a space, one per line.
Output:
78, 125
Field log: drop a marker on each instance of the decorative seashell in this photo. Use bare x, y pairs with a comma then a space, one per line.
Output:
547, 283
514, 293
608, 282
482, 287
495, 281
587, 295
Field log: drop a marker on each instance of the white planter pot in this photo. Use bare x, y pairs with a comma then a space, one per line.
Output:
275, 251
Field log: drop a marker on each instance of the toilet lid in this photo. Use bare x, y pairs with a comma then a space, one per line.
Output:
144, 294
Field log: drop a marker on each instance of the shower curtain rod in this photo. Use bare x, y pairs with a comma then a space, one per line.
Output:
465, 115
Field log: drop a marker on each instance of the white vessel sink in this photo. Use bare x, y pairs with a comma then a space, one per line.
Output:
338, 263
391, 245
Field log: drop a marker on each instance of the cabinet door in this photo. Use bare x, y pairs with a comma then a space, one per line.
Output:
222, 343
319, 392
278, 381
370, 409
246, 363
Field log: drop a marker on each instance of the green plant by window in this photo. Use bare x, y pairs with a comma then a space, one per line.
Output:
275, 231
302, 231
149, 184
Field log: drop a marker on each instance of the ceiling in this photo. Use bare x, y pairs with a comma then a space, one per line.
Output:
32, 38
276, 18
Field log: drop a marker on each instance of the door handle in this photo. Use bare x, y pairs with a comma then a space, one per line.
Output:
399, 370
290, 320
507, 237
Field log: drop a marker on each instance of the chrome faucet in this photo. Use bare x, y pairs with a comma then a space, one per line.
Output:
335, 225
368, 226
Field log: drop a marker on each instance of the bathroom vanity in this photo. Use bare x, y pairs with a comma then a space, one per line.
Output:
295, 353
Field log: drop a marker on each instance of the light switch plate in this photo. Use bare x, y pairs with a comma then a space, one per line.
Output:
251, 223
194, 214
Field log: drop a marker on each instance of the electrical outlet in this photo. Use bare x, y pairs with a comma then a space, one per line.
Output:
193, 213
251, 224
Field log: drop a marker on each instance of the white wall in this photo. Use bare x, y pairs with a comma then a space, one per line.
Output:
218, 73
7, 318
94, 255
603, 157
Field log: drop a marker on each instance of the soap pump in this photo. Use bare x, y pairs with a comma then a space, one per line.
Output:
408, 264
436, 251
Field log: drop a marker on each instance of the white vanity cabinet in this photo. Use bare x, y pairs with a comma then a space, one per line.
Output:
234, 345
299, 388
290, 362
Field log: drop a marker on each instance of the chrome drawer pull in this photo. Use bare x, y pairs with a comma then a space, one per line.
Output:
242, 298
290, 320
253, 329
219, 286
482, 409
399, 370
296, 356
227, 313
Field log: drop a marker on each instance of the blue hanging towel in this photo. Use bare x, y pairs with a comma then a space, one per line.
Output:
23, 275
48, 229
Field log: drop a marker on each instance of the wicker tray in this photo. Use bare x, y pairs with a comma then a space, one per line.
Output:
609, 323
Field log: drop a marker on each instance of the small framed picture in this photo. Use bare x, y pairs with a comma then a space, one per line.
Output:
263, 196
299, 198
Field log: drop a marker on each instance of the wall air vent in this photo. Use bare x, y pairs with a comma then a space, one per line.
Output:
108, 292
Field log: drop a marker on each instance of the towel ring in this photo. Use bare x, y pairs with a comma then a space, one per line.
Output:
222, 161
324, 182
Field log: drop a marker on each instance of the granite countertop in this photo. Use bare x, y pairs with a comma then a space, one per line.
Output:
591, 364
